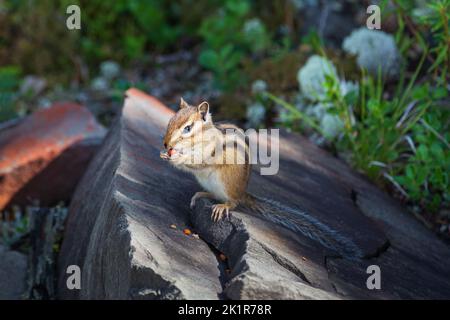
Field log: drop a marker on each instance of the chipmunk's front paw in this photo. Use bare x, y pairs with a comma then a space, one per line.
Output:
218, 211
163, 155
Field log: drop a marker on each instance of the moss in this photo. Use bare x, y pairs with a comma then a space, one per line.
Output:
279, 72
232, 106
275, 14
345, 64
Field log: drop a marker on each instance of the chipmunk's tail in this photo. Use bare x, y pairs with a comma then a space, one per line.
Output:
300, 221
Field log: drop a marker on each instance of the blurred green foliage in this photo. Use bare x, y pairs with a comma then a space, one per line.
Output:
229, 35
9, 85
126, 31
123, 30
33, 35
428, 24
119, 30
13, 226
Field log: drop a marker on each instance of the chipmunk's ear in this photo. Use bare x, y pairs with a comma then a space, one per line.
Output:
183, 104
203, 109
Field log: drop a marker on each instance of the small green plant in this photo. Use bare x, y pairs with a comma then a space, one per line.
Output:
425, 177
110, 30
437, 18
228, 36
224, 64
9, 84
13, 226
143, 24
402, 140
431, 21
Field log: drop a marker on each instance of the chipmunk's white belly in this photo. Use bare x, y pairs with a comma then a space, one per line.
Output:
212, 183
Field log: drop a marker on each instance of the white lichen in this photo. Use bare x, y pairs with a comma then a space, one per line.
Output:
255, 114
374, 49
314, 100
312, 77
259, 86
316, 110
255, 34
347, 87
99, 84
331, 125
109, 69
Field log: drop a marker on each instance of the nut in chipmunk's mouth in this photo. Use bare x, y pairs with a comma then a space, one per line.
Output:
171, 154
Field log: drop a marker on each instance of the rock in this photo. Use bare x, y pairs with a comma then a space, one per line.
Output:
126, 221
13, 271
43, 156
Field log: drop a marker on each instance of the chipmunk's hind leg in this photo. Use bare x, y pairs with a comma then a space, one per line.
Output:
221, 209
199, 195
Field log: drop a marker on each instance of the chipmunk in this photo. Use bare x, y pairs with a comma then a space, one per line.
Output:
219, 158
191, 135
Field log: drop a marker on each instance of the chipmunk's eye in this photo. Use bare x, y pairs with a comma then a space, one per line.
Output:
187, 129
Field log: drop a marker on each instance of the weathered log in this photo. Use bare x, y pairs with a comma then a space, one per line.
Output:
45, 229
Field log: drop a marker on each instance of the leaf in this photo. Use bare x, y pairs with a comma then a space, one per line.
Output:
422, 152
422, 173
437, 152
208, 58
440, 58
238, 7
409, 172
439, 93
